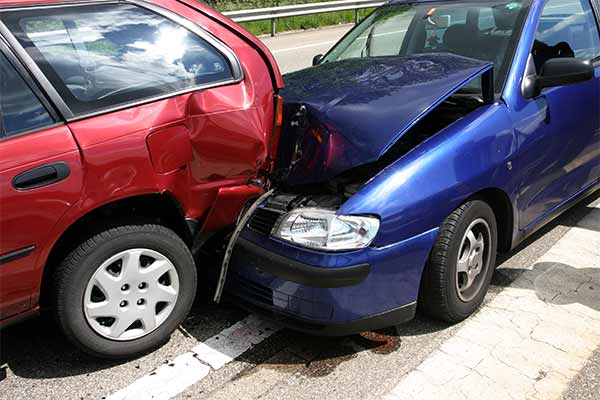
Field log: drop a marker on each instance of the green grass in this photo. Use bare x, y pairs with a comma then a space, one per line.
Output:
286, 24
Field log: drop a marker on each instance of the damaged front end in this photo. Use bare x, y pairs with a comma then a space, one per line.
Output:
344, 123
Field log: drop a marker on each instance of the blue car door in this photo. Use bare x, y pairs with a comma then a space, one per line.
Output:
559, 130
596, 171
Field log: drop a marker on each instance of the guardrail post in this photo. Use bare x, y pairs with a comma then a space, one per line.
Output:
273, 13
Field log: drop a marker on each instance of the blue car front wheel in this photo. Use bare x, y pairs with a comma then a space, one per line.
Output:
461, 264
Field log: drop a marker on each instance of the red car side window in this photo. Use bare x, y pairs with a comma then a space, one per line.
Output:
20, 109
103, 55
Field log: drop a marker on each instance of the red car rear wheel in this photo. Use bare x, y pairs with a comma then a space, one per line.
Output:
125, 290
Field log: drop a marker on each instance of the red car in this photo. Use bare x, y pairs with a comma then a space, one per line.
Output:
129, 131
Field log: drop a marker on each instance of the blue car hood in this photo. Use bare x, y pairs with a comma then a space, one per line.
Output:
348, 113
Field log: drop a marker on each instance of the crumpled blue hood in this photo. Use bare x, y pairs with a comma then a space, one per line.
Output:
348, 113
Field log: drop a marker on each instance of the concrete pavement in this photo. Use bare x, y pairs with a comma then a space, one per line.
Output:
532, 339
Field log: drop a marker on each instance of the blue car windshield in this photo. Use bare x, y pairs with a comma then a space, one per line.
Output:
483, 30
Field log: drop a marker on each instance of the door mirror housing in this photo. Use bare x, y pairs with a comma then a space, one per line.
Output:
317, 59
558, 72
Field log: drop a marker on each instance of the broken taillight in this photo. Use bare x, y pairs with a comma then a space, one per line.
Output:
277, 124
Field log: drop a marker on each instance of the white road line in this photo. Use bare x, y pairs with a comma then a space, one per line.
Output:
306, 46
166, 381
365, 37
232, 342
531, 340
170, 379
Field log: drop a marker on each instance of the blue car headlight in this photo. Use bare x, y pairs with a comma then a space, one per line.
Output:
325, 230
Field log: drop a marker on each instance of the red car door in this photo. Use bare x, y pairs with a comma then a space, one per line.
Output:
40, 178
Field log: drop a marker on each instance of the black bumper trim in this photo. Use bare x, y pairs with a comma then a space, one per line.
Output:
388, 318
305, 274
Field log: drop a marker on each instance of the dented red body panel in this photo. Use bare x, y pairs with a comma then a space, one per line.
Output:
200, 148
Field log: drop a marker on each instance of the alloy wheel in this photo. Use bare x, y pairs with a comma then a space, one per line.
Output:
473, 260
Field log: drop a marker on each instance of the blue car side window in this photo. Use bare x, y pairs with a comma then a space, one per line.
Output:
21, 110
567, 30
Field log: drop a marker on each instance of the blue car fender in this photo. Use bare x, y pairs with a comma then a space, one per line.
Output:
417, 192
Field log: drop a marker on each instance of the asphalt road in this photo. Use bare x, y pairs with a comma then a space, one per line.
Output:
294, 51
40, 364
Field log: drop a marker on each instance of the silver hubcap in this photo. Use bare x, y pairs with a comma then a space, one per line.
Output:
131, 294
473, 260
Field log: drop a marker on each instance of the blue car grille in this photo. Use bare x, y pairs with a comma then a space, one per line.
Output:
263, 220
273, 299
260, 294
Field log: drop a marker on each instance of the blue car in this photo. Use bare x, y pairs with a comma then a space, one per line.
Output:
432, 136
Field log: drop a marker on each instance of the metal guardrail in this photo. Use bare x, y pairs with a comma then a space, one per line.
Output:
273, 13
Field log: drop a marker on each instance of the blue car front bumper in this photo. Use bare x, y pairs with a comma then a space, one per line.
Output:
329, 293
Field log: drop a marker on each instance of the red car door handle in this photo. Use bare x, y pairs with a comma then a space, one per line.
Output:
41, 176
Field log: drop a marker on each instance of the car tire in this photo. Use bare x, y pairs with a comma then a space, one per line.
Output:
119, 272
461, 264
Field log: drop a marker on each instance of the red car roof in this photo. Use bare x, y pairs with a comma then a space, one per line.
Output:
26, 2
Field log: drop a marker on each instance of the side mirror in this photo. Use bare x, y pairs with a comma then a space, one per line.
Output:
317, 59
559, 72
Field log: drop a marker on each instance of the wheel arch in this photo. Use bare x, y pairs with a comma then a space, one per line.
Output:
503, 209
163, 209
500, 203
